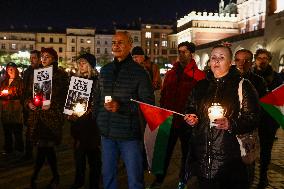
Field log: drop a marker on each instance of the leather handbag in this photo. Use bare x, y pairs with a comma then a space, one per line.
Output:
249, 142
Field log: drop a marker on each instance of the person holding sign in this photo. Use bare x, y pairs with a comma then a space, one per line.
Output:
216, 117
46, 115
83, 128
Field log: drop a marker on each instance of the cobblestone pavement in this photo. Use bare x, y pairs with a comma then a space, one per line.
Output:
15, 174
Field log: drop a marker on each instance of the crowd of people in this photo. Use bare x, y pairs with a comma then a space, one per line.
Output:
112, 126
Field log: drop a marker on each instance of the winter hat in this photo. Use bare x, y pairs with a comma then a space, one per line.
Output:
137, 51
91, 59
50, 51
11, 64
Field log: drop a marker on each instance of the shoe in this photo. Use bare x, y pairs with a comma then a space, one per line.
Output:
181, 185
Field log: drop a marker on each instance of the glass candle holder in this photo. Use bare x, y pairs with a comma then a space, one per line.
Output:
215, 111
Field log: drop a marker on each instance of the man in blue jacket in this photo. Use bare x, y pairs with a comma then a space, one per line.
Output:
118, 117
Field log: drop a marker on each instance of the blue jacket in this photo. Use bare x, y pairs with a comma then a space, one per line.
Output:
123, 81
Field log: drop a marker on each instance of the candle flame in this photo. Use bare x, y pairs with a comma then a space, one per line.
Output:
5, 91
79, 109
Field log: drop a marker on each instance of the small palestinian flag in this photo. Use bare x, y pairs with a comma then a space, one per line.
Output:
273, 103
156, 135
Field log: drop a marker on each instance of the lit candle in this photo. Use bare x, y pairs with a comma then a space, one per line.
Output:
5, 92
215, 111
108, 99
79, 109
38, 100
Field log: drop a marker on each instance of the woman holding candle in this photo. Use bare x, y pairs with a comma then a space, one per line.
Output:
46, 121
11, 91
216, 117
84, 130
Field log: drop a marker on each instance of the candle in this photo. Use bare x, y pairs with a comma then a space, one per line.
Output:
79, 109
37, 101
108, 99
5, 92
215, 111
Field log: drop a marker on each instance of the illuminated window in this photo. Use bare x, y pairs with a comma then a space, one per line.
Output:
148, 34
164, 43
148, 27
156, 43
13, 46
147, 43
164, 36
254, 27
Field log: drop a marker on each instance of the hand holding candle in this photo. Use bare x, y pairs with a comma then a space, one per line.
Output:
4, 92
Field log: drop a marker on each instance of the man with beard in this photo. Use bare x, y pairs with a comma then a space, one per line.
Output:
178, 83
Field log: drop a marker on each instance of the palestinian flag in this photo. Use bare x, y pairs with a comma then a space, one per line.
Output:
156, 135
273, 103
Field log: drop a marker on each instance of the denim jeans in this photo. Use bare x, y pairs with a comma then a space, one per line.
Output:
131, 154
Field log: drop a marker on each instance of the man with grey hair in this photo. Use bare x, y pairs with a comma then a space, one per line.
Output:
118, 117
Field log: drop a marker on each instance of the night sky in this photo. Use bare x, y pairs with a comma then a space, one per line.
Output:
94, 13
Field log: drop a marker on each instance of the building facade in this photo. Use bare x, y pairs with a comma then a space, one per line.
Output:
154, 41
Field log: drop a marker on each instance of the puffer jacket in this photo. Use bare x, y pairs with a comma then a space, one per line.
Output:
122, 81
212, 150
176, 88
46, 125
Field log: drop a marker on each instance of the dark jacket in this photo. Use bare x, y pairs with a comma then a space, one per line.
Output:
272, 81
213, 150
84, 129
258, 82
11, 105
177, 86
28, 89
123, 81
46, 125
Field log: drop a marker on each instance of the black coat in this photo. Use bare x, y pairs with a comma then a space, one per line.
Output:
213, 150
84, 130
